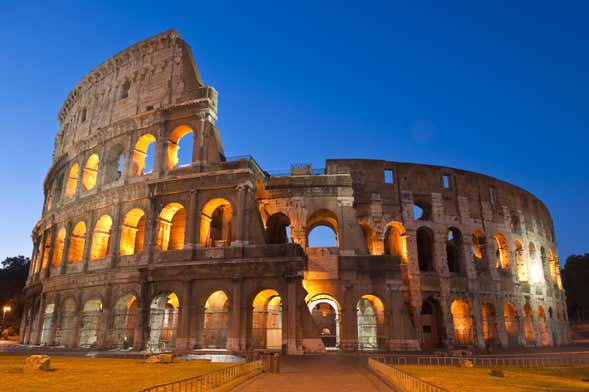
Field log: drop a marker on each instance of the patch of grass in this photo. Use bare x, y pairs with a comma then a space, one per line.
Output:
516, 379
96, 374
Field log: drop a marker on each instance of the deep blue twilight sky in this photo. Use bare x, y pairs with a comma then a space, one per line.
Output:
499, 89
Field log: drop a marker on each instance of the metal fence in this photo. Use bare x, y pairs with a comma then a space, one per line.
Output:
401, 379
484, 361
208, 381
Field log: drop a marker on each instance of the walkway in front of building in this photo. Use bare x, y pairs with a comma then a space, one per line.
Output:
317, 374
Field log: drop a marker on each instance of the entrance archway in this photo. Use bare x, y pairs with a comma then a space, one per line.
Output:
431, 324
489, 323
216, 318
325, 312
65, 324
370, 320
125, 320
462, 319
163, 318
511, 325
91, 314
47, 324
544, 330
267, 321
529, 333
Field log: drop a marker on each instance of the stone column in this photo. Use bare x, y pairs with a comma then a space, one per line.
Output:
51, 250
115, 235
240, 215
477, 315
183, 332
291, 314
151, 229
234, 341
349, 328
500, 320
54, 320
192, 237
66, 248
77, 320
105, 326
161, 150
38, 328
142, 318
88, 242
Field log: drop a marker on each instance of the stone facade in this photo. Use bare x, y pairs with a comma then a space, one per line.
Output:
215, 254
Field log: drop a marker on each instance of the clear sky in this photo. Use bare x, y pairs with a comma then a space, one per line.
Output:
499, 89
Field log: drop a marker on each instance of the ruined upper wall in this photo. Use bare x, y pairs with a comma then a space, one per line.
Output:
149, 75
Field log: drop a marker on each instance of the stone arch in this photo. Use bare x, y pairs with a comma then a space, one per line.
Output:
215, 223
431, 323
173, 144
216, 320
454, 250
101, 238
370, 322
529, 332
46, 250
163, 321
325, 311
64, 334
520, 262
502, 252
114, 163
479, 245
90, 173
325, 218
72, 181
141, 154
511, 323
266, 328
425, 248
91, 317
489, 319
462, 320
395, 240
77, 243
369, 238
544, 328
132, 232
553, 266
171, 227
58, 248
125, 321
47, 324
278, 228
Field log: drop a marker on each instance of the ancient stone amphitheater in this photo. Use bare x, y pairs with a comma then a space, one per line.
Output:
137, 251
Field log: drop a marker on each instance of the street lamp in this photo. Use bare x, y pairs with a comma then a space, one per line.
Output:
5, 309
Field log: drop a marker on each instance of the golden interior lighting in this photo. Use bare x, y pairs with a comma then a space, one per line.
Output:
140, 154
171, 227
215, 223
77, 242
90, 172
72, 181
173, 147
132, 232
59, 246
101, 238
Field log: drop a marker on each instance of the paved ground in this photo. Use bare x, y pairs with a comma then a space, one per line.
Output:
317, 374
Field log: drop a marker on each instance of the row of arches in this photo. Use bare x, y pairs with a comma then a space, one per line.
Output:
463, 324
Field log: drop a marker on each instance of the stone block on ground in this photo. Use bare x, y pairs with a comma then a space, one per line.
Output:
466, 363
38, 362
496, 373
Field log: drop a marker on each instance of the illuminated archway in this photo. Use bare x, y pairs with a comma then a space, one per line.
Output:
370, 322
77, 243
511, 323
395, 241
215, 223
267, 321
544, 329
125, 320
520, 262
163, 319
101, 238
462, 320
90, 172
278, 228
171, 227
132, 232
65, 325
47, 324
325, 311
529, 332
72, 181
216, 320
46, 250
489, 323
141, 155
58, 248
327, 233
502, 252
91, 315
174, 141
479, 245
553, 266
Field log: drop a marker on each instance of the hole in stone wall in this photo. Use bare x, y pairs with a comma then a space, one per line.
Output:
389, 177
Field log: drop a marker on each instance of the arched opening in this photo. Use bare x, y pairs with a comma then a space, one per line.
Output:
180, 144
502, 252
322, 229
489, 324
425, 249
267, 321
544, 329
529, 332
163, 319
77, 243
462, 320
114, 163
125, 89
132, 232
72, 181
143, 155
125, 321
171, 226
278, 229
431, 324
479, 245
46, 250
520, 262
91, 314
215, 223
454, 250
216, 321
370, 320
58, 248
325, 311
90, 172
370, 238
101, 238
395, 243
47, 324
65, 325
511, 324
535, 272
553, 266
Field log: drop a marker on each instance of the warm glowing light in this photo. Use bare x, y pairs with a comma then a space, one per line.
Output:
101, 238
173, 147
58, 250
132, 232
77, 242
72, 181
90, 172
171, 227
140, 153
215, 223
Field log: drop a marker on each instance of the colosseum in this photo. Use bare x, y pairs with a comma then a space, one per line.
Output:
138, 250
